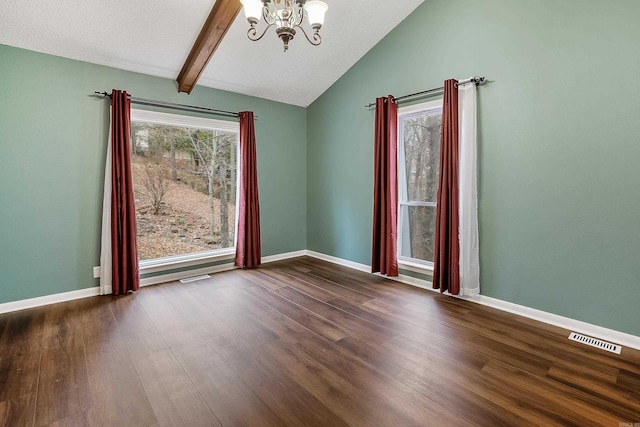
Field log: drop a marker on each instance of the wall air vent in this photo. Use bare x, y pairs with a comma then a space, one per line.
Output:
193, 279
593, 342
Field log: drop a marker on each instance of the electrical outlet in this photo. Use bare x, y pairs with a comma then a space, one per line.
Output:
96, 272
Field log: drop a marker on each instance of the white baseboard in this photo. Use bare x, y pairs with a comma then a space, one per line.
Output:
149, 281
614, 336
164, 278
413, 281
574, 325
48, 299
339, 261
280, 257
595, 331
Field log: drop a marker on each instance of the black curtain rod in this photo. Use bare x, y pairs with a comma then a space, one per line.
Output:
174, 106
475, 80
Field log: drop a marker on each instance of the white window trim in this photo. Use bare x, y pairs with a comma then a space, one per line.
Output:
406, 263
189, 260
417, 108
169, 119
411, 264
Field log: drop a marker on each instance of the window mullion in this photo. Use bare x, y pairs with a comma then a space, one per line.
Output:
413, 203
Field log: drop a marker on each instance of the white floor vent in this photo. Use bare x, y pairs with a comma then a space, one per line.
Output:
193, 279
593, 342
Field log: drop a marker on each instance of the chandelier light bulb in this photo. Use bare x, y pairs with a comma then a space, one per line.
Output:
252, 10
315, 12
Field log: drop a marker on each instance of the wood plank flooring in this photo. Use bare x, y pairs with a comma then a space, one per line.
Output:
302, 343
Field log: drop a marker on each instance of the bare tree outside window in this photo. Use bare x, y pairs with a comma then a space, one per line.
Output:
155, 185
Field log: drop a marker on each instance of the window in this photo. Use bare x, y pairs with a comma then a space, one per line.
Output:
419, 128
185, 173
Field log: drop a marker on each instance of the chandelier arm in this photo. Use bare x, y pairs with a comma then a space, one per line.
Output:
266, 14
301, 15
252, 33
315, 40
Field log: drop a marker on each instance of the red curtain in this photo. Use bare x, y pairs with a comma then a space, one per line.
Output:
124, 249
446, 272
248, 247
384, 257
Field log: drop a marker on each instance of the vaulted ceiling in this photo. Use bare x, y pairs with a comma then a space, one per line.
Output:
155, 36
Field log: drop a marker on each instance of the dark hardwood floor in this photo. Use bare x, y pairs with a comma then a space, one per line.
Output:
302, 343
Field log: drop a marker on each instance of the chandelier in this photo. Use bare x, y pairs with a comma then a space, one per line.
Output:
286, 16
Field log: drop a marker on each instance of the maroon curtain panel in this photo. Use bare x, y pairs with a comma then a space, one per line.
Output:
446, 257
248, 247
124, 248
384, 257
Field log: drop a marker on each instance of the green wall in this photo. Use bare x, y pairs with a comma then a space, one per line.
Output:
559, 146
52, 150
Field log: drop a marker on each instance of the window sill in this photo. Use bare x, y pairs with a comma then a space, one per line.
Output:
416, 267
182, 261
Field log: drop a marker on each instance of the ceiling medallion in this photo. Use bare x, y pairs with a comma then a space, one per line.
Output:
286, 16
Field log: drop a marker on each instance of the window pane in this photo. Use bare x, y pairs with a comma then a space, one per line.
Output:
422, 155
185, 189
418, 232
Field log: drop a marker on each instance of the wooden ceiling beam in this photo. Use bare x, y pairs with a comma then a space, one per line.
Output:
222, 15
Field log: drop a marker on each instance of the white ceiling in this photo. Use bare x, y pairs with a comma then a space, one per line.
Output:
155, 36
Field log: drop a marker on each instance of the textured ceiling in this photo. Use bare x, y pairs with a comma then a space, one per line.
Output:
155, 36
